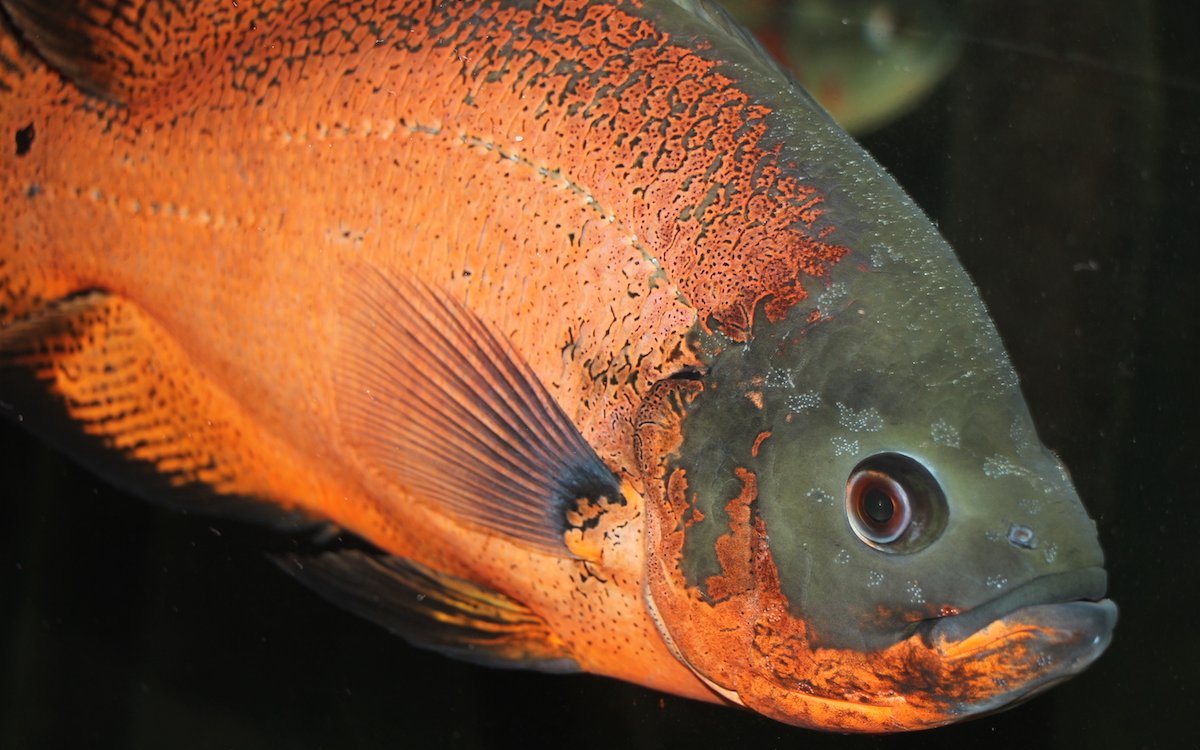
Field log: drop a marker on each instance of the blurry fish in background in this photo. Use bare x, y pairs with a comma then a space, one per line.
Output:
868, 62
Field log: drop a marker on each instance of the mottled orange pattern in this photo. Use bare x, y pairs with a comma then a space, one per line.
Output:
199, 178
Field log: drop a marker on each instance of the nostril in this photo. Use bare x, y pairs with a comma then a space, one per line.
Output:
1022, 536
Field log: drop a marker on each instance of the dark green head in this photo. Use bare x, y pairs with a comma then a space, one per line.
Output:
873, 463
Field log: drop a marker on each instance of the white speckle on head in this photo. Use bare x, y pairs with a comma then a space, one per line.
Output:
915, 594
820, 496
842, 557
832, 297
944, 433
1051, 553
874, 579
859, 420
881, 255
995, 467
996, 582
802, 402
1029, 505
1020, 432
965, 377
778, 378
844, 446
1063, 474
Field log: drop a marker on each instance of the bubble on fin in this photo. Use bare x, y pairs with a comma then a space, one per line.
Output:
944, 433
802, 402
844, 446
859, 420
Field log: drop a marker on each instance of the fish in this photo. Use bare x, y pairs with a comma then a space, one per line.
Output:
867, 62
613, 352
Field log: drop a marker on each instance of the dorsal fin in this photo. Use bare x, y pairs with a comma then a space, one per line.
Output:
113, 49
433, 610
444, 409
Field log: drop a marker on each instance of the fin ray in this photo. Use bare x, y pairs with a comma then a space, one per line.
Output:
433, 610
444, 407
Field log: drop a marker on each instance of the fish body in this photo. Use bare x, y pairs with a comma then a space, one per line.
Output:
618, 352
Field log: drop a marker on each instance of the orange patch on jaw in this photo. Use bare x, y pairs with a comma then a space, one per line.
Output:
742, 636
906, 686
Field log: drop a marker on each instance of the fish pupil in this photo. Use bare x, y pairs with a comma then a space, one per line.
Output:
878, 505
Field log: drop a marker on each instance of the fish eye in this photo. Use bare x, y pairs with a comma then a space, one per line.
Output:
894, 504
879, 507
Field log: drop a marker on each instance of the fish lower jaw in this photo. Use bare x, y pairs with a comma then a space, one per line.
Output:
1082, 586
1018, 645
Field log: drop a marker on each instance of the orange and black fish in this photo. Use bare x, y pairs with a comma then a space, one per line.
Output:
618, 352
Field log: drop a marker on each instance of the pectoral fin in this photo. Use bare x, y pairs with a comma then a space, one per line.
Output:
433, 610
444, 409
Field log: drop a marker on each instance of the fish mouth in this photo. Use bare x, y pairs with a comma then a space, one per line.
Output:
1062, 623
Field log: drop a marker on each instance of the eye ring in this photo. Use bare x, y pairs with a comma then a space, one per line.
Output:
878, 506
894, 504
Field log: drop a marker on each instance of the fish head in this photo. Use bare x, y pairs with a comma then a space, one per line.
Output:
852, 522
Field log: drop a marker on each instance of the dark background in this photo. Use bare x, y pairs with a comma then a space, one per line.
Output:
1061, 160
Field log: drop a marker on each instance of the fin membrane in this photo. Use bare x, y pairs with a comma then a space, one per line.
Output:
98, 378
446, 410
433, 610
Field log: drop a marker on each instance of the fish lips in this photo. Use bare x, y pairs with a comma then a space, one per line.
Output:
1061, 621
